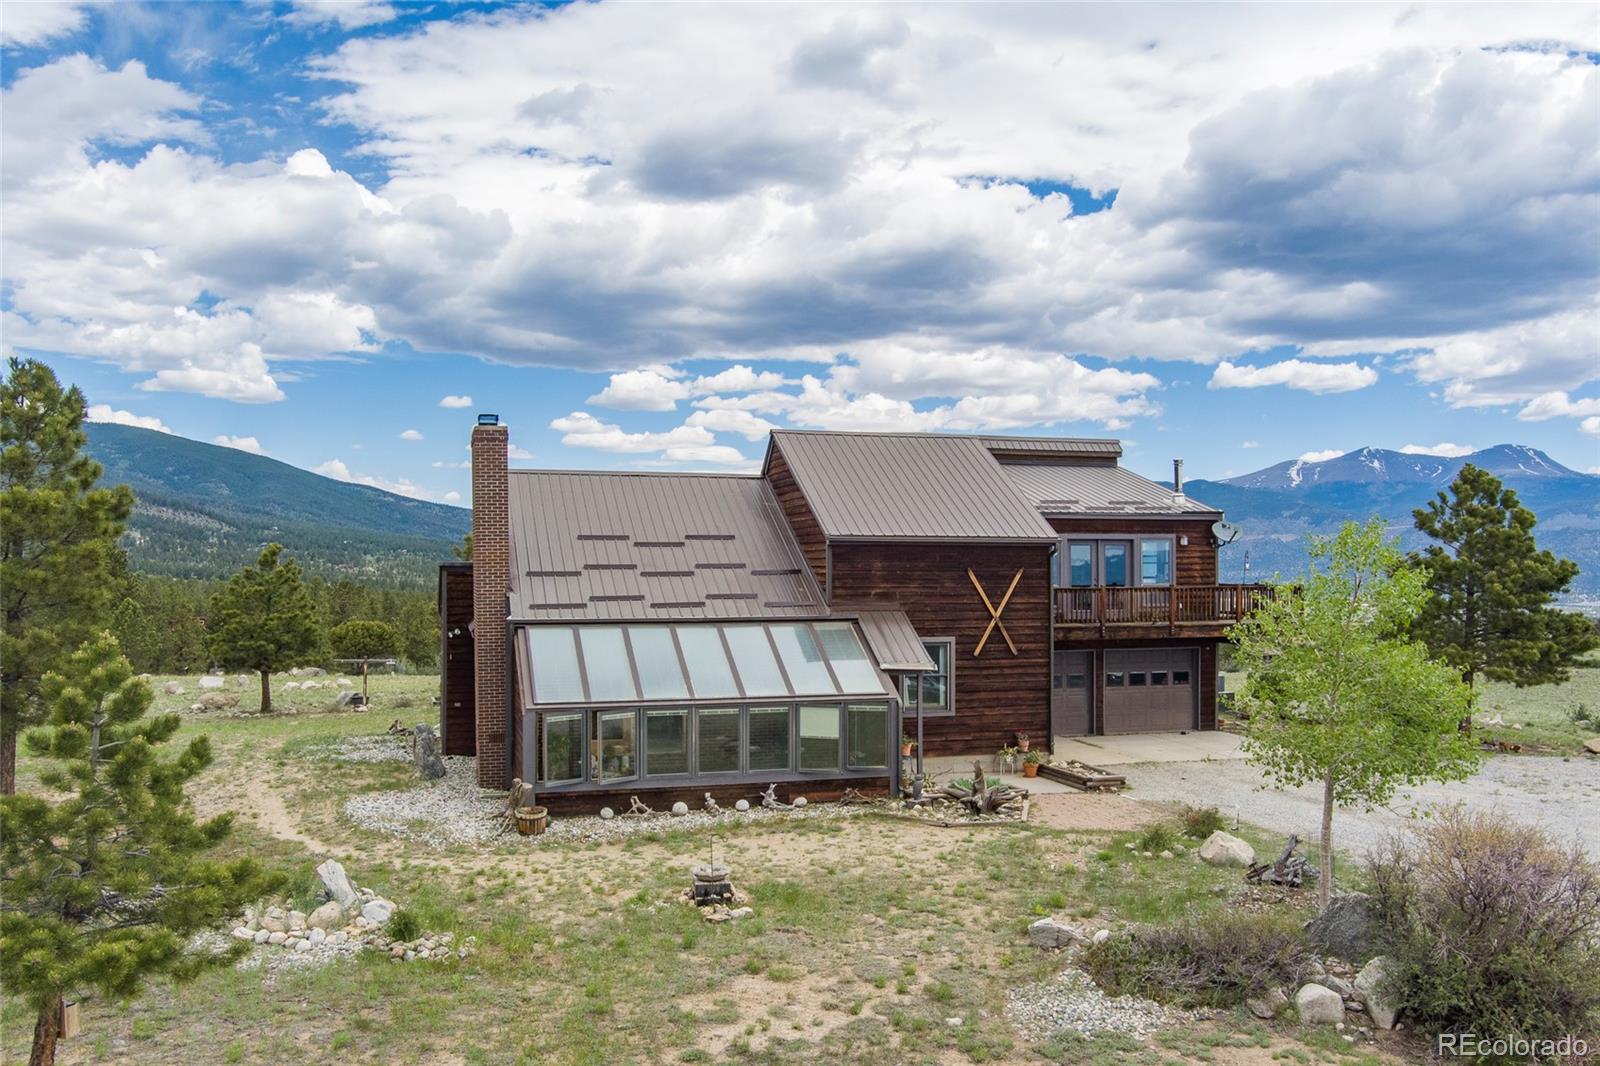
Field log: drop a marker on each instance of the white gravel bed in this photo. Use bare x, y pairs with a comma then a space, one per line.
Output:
1559, 795
1072, 1002
453, 811
383, 747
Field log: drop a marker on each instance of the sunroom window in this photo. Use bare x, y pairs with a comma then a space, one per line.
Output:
616, 747
819, 736
866, 735
563, 746
666, 741
718, 741
769, 738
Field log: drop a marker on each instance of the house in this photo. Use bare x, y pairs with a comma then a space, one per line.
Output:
673, 634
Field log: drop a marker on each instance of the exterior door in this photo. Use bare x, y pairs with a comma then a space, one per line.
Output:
1071, 694
1151, 690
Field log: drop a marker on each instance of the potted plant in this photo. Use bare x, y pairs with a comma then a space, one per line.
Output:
906, 744
1008, 758
1030, 763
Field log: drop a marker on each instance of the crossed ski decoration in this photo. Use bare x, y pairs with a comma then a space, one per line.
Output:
994, 612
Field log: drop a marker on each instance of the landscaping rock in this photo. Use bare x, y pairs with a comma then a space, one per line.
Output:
210, 681
337, 883
262, 936
429, 763
1225, 849
1048, 933
1592, 745
799, 801
242, 933
606, 814
377, 911
680, 809
1348, 929
741, 806
1345, 989
172, 688
1267, 1006
297, 922
277, 938
328, 916
274, 923
317, 936
1373, 987
218, 701
1100, 936
1319, 1005
343, 699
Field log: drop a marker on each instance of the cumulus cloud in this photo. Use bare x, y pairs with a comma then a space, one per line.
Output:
1557, 404
455, 401
411, 434
103, 412
641, 390
689, 444
1591, 425
1444, 448
1250, 444
452, 497
339, 470
1321, 456
243, 444
37, 22
731, 420
347, 14
1294, 374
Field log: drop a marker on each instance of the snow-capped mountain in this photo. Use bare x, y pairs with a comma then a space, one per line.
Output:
1370, 465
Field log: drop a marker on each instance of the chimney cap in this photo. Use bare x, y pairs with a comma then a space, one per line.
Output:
488, 420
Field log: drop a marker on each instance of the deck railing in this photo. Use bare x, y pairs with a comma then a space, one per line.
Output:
1158, 604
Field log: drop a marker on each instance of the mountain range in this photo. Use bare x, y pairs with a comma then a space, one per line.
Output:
1277, 506
203, 511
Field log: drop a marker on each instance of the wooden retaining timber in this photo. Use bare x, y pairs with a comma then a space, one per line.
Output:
1083, 777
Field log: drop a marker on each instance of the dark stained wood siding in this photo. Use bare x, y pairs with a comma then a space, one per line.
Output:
997, 694
1196, 561
457, 687
802, 522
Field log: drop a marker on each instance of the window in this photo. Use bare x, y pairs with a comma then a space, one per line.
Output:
936, 687
563, 747
1080, 558
819, 736
605, 659
769, 738
708, 662
802, 658
1158, 677
1114, 679
1077, 681
615, 753
666, 742
1155, 561
718, 744
660, 675
1114, 563
850, 663
1136, 677
1180, 677
866, 734
555, 665
753, 658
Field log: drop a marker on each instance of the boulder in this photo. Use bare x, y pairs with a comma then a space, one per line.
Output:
1319, 1005
1267, 1005
172, 688
1225, 849
273, 923
242, 933
1050, 934
328, 916
680, 809
426, 751
297, 921
338, 885
1592, 745
1348, 929
218, 701
344, 682
261, 936
317, 936
277, 938
606, 814
1375, 990
799, 801
741, 806
343, 699
210, 681
377, 911
1345, 989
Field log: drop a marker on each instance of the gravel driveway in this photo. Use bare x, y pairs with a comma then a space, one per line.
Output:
1559, 795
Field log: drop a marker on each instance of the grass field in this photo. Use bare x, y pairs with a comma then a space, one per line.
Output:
871, 934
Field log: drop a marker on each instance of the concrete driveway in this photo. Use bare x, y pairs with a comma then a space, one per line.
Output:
1186, 747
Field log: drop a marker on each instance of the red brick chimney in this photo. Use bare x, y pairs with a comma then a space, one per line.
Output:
491, 584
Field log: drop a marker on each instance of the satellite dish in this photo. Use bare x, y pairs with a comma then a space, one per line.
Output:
1225, 532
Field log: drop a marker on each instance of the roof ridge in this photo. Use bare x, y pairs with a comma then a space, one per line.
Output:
939, 434
727, 474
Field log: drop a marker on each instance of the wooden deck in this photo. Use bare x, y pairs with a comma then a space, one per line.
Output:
1188, 610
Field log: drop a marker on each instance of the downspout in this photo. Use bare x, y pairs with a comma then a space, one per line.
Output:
511, 705
917, 785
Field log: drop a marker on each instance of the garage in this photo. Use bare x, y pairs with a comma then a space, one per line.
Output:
1149, 690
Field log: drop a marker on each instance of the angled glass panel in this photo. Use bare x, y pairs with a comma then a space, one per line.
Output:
850, 663
866, 734
660, 675
718, 740
752, 657
708, 662
819, 736
666, 742
769, 738
802, 657
605, 660
555, 665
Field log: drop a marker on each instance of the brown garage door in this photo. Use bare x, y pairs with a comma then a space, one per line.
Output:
1071, 689
1149, 690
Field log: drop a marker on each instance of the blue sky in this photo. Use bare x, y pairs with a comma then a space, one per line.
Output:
645, 234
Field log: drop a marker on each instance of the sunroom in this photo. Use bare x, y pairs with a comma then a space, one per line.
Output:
691, 707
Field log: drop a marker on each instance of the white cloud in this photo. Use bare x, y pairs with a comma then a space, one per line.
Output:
1444, 448
103, 412
455, 401
1523, 362
514, 451
452, 496
38, 21
641, 390
731, 420
440, 464
1294, 374
1591, 425
683, 444
1557, 404
243, 444
340, 471
738, 378
1250, 444
349, 14
411, 434
1321, 456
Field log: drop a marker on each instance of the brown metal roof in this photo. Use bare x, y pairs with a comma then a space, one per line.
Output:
908, 486
893, 641
1058, 489
1067, 447
616, 546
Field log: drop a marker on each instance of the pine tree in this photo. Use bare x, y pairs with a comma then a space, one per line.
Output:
105, 886
265, 620
1489, 612
58, 535
1335, 691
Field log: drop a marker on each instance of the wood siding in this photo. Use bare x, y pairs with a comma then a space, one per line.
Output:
997, 694
457, 670
1195, 562
802, 521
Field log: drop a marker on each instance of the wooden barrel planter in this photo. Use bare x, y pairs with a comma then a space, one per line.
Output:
531, 821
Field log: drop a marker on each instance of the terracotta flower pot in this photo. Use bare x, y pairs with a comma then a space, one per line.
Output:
905, 749
1030, 769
